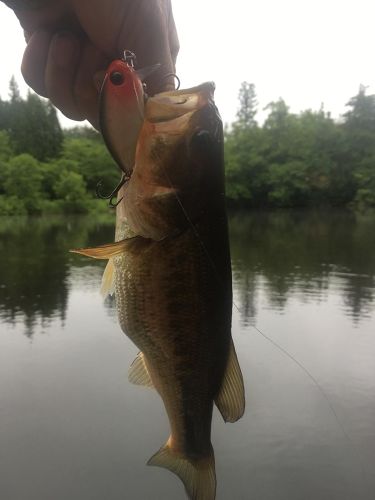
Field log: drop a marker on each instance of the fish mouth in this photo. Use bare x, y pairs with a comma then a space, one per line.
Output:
173, 104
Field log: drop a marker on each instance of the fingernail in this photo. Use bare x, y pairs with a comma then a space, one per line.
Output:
65, 49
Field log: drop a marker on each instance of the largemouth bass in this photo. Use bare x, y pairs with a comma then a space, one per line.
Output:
170, 269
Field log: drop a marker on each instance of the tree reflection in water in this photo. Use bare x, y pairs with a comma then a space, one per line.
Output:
303, 254
284, 254
35, 265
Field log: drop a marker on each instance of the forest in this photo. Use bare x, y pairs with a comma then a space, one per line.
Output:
44, 169
301, 160
290, 160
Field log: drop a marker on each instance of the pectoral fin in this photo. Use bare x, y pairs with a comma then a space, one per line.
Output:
231, 398
138, 372
107, 251
108, 280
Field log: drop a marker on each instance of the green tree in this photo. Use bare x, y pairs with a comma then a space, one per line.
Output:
14, 91
359, 130
4, 114
70, 188
246, 169
32, 124
365, 177
288, 184
34, 128
92, 161
23, 181
292, 160
248, 105
5, 146
246, 166
361, 116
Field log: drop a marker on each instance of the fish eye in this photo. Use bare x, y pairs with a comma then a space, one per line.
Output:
117, 78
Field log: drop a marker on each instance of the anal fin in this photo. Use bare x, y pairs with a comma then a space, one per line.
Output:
231, 398
138, 372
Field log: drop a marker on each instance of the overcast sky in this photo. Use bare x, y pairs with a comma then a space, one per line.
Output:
308, 52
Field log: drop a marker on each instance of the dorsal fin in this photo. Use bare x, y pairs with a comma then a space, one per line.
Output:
231, 398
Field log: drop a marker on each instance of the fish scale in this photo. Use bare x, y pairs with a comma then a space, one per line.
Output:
172, 278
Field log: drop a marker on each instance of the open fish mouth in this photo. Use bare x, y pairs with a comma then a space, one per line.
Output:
169, 105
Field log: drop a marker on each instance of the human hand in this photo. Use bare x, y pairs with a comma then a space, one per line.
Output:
71, 42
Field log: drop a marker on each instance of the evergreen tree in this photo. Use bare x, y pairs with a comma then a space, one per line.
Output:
362, 112
248, 105
4, 114
34, 128
14, 91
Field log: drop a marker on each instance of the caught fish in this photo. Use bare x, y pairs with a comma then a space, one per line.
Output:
170, 270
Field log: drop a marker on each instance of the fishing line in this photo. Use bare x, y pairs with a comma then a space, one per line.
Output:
195, 231
322, 392
319, 387
270, 340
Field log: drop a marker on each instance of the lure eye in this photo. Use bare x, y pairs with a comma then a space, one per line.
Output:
117, 78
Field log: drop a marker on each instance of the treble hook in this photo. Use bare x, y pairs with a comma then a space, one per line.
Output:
114, 193
174, 76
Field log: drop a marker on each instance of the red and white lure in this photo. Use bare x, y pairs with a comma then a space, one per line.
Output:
122, 102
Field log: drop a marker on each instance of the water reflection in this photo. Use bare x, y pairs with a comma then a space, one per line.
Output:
36, 268
304, 255
276, 256
68, 413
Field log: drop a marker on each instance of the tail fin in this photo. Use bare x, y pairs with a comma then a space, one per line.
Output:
197, 475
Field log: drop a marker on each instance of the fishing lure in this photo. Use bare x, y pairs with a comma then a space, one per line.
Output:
121, 114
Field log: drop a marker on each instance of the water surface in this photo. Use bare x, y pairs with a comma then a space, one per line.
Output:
72, 427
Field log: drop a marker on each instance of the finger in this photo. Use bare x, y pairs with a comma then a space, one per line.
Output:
60, 75
86, 93
174, 43
34, 19
144, 32
102, 21
34, 61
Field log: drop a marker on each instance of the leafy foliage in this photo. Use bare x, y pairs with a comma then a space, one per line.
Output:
26, 186
301, 160
70, 188
43, 169
32, 125
290, 160
248, 105
92, 160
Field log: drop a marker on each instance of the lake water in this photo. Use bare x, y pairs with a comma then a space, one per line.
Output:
72, 427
